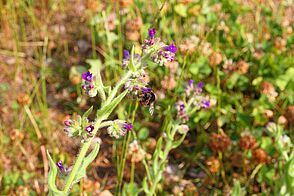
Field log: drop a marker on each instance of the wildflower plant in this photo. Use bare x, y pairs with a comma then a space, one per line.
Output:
175, 131
80, 126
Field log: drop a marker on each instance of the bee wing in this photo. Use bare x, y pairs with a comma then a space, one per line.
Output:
151, 109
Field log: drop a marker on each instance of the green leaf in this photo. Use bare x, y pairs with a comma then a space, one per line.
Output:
95, 65
156, 154
106, 110
233, 80
145, 186
88, 112
283, 80
52, 177
236, 189
131, 65
178, 142
87, 161
143, 133
130, 189
181, 9
267, 145
96, 70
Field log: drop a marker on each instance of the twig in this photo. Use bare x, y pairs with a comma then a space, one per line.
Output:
34, 123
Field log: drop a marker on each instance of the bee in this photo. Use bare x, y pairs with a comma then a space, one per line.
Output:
147, 99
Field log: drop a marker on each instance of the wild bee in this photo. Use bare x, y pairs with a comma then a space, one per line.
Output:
147, 99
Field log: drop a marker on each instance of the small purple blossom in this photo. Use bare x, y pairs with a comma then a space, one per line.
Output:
89, 129
171, 48
146, 90
200, 85
181, 112
206, 103
199, 88
128, 126
190, 82
181, 106
190, 87
87, 76
151, 33
89, 84
126, 54
67, 122
60, 166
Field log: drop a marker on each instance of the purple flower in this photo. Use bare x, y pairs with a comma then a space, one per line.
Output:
206, 103
151, 33
171, 48
181, 112
128, 126
200, 85
190, 82
199, 88
87, 76
60, 166
182, 106
67, 122
146, 90
89, 129
126, 54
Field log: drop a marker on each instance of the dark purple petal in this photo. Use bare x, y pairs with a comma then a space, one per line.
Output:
206, 104
182, 107
87, 76
128, 126
190, 82
91, 86
67, 122
89, 128
60, 165
146, 90
126, 54
200, 85
151, 33
171, 48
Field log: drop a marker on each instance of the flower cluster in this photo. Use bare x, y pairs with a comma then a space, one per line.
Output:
261, 156
119, 128
135, 152
183, 129
137, 81
195, 101
247, 142
219, 142
127, 58
78, 127
182, 114
89, 85
160, 52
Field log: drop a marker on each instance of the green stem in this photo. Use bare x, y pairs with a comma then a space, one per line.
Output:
86, 145
166, 151
81, 157
132, 171
117, 87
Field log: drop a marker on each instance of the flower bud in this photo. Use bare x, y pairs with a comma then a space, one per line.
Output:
183, 129
119, 128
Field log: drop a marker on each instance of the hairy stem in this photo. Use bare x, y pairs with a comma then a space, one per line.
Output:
87, 144
81, 157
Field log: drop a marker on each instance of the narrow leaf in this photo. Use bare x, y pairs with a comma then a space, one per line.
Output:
87, 161
132, 64
88, 112
106, 110
52, 177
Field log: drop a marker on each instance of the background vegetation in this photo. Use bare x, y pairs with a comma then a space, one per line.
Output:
241, 50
